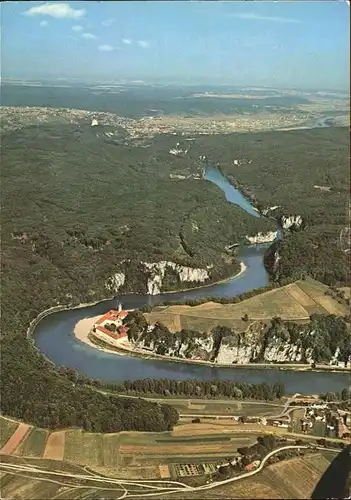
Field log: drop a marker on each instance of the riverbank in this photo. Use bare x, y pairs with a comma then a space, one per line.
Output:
125, 348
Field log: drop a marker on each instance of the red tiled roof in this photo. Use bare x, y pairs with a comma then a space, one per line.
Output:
249, 467
112, 315
118, 335
103, 330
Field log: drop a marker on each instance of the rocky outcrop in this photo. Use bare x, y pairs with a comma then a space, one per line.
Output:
277, 351
199, 348
115, 282
184, 177
156, 272
262, 237
288, 221
268, 210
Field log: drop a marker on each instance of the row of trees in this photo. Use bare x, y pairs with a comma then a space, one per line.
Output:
200, 388
189, 387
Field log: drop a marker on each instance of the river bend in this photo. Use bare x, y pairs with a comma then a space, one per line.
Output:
54, 334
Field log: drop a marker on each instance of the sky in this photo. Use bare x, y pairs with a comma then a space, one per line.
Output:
273, 44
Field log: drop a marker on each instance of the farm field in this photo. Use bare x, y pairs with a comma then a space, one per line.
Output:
7, 428
134, 455
55, 445
296, 301
34, 444
84, 448
128, 454
293, 478
222, 407
14, 440
30, 488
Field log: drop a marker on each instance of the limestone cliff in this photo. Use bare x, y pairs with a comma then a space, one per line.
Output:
237, 348
115, 282
156, 272
288, 221
263, 237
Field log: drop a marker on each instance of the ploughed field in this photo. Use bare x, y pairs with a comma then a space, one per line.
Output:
138, 455
293, 302
128, 454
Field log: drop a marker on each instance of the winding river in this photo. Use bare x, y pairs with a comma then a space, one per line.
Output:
54, 334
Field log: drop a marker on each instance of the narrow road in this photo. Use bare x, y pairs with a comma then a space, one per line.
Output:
159, 487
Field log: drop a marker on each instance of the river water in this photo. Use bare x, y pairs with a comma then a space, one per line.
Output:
54, 334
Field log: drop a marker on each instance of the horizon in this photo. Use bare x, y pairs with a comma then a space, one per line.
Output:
186, 43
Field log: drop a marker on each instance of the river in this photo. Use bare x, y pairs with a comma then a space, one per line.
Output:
54, 334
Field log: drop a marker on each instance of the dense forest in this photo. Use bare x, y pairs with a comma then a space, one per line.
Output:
78, 208
313, 251
74, 208
302, 172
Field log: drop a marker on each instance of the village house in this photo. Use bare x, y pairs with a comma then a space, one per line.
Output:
252, 466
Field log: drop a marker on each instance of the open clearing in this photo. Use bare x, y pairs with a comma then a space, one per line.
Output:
293, 302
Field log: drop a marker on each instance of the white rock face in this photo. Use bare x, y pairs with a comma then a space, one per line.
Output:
115, 282
94, 122
179, 350
292, 220
157, 272
269, 209
277, 350
262, 237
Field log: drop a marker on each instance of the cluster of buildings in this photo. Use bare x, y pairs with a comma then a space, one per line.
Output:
335, 422
15, 118
250, 419
109, 328
236, 462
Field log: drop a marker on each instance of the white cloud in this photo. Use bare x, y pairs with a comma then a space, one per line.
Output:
58, 10
43, 23
143, 44
77, 28
126, 41
108, 22
88, 36
106, 48
250, 16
